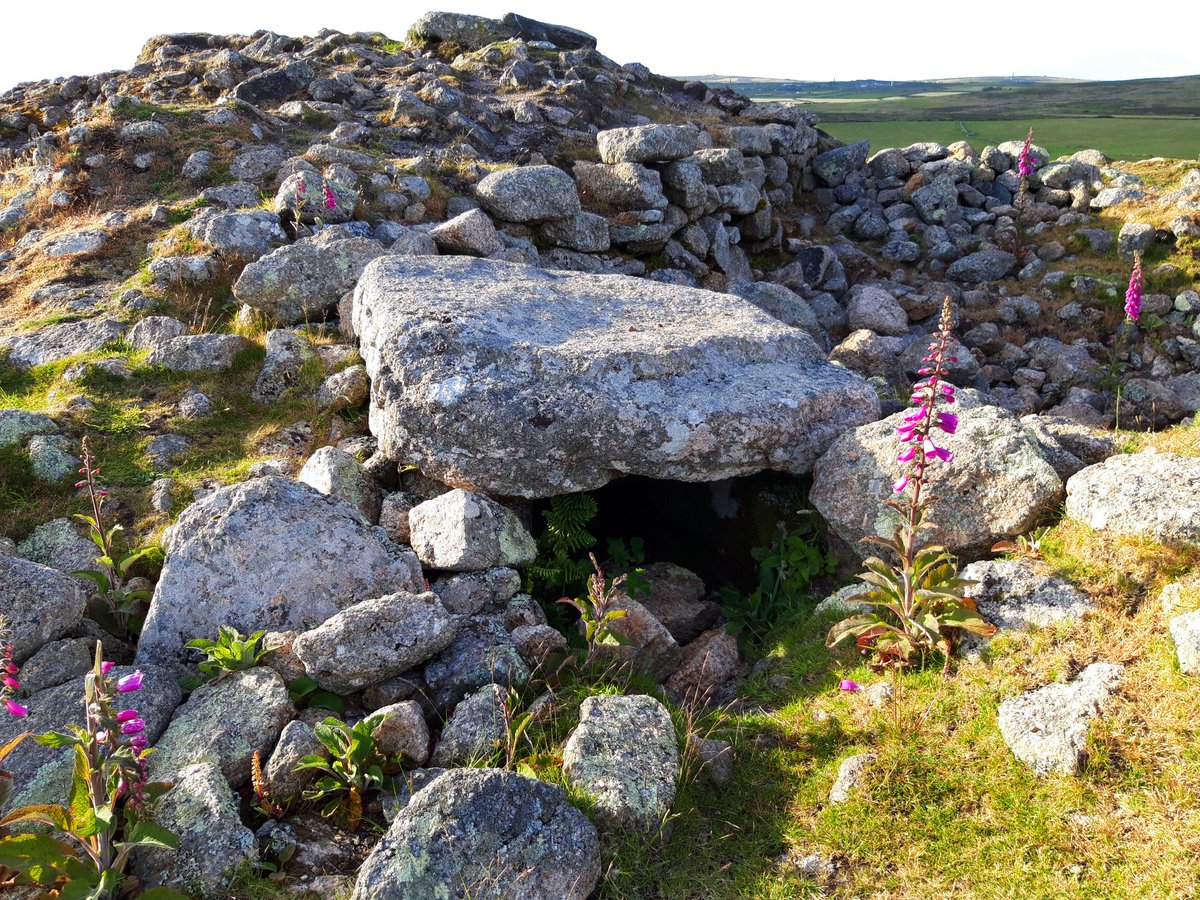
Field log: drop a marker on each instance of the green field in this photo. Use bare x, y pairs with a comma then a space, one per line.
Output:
1118, 138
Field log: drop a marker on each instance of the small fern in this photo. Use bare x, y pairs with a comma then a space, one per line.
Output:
556, 573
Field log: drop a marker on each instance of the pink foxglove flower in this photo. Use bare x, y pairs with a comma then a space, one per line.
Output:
1025, 163
133, 726
917, 426
15, 708
1133, 296
128, 683
330, 199
847, 685
9, 682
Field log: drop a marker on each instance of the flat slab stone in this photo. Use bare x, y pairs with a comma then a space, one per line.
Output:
1155, 495
517, 381
1047, 728
1012, 594
56, 342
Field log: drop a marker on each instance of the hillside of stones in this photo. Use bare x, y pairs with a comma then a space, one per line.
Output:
340, 314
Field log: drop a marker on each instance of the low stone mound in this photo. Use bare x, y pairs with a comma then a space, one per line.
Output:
518, 381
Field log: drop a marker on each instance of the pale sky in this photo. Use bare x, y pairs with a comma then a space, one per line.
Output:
818, 40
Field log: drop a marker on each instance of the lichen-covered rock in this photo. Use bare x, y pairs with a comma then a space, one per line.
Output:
475, 731
243, 235
464, 531
198, 352
347, 389
482, 653
304, 280
621, 186
1185, 633
59, 545
983, 265
375, 639
648, 143
1047, 728
998, 485
471, 233
552, 382
337, 473
873, 308
224, 722
267, 554
42, 774
474, 592
403, 732
849, 776
286, 354
17, 425
484, 833
624, 753
536, 642
202, 812
55, 342
1013, 594
307, 195
57, 663
150, 332
296, 741
834, 165
39, 604
1147, 494
529, 194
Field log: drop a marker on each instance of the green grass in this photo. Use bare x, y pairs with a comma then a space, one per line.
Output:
1118, 138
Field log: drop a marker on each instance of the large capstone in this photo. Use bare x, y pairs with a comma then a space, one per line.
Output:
517, 381
267, 554
484, 833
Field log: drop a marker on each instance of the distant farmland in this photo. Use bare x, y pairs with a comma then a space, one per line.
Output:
1124, 119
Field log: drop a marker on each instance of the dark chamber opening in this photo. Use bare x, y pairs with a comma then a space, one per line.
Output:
708, 527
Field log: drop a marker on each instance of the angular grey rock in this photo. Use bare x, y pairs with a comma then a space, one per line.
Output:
486, 832
849, 776
873, 308
43, 775
16, 425
1012, 594
286, 354
198, 352
274, 86
536, 642
59, 545
1147, 494
834, 165
202, 812
1185, 633
347, 389
55, 342
998, 485
475, 732
709, 663
529, 194
472, 233
624, 753
1047, 728
76, 243
647, 143
404, 732
49, 460
1116, 196
255, 163
40, 604
224, 722
153, 331
56, 663
472, 32
1135, 237
679, 383
306, 193
617, 187
586, 232
782, 303
981, 266
296, 741
375, 639
463, 531
306, 279
561, 36
240, 236
647, 646
676, 599
336, 472
312, 556
468, 594
1148, 404
482, 653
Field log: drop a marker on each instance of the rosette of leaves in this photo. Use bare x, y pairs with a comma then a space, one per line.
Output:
230, 652
355, 767
915, 608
